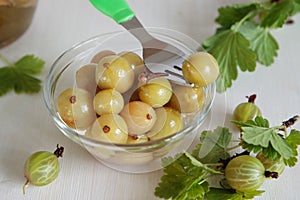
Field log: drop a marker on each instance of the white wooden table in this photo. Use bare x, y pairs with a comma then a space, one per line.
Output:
26, 126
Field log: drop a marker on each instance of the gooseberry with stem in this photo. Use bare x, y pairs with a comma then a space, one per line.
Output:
42, 167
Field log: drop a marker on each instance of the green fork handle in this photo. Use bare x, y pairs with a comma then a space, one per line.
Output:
115, 9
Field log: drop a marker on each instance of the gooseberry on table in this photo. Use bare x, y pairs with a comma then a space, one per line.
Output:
245, 173
271, 165
42, 167
247, 110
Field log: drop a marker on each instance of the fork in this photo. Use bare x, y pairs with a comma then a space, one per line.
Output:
154, 51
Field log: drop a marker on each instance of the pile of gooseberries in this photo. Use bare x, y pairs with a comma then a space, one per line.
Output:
114, 103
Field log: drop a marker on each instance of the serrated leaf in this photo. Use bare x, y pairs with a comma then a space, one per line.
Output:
281, 146
213, 145
252, 194
223, 194
257, 122
263, 137
30, 64
230, 194
296, 8
278, 14
26, 83
180, 179
168, 160
294, 141
231, 49
6, 83
251, 148
197, 163
19, 76
271, 153
229, 15
197, 191
256, 133
262, 42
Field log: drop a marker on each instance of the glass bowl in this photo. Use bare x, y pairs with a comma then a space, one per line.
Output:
15, 18
131, 158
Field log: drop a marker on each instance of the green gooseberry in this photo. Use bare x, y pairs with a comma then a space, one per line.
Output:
42, 167
271, 165
245, 173
247, 110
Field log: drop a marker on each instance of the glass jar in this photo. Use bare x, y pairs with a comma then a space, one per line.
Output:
15, 18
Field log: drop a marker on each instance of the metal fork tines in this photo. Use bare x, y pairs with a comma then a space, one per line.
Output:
159, 56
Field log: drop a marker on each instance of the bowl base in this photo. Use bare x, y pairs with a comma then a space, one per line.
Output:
137, 163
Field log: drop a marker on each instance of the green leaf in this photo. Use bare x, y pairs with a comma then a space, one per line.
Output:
296, 8
257, 122
200, 165
231, 49
252, 194
256, 133
6, 80
278, 14
195, 192
294, 141
19, 76
229, 15
213, 145
281, 146
271, 153
262, 42
223, 194
229, 194
26, 83
182, 180
30, 65
251, 148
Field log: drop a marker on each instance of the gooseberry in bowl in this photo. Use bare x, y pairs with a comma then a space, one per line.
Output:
126, 123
